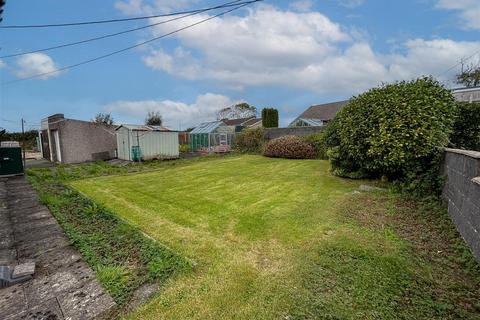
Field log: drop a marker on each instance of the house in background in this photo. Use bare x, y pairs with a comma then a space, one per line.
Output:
243, 123
135, 142
74, 141
467, 94
318, 115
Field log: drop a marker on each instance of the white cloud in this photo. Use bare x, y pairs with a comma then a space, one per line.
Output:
351, 3
302, 5
306, 50
269, 46
35, 63
174, 113
2, 64
429, 57
469, 11
136, 7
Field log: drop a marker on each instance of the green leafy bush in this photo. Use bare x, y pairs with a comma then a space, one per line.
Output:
466, 130
317, 141
250, 141
290, 147
395, 131
184, 148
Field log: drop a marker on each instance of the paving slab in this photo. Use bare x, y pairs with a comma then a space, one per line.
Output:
49, 310
63, 286
23, 269
12, 299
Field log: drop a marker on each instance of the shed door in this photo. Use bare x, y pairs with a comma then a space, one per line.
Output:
223, 139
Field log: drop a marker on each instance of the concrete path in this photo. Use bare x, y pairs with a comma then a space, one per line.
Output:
63, 286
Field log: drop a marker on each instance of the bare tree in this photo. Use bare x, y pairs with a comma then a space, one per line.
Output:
237, 111
154, 118
105, 118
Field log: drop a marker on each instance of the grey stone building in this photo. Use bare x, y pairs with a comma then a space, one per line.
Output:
75, 141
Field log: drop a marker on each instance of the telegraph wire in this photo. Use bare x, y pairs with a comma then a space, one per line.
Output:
130, 47
228, 4
463, 60
82, 23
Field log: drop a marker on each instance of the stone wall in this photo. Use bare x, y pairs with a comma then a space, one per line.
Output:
462, 192
273, 133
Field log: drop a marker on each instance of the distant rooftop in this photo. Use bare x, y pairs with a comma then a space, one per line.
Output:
471, 94
466, 89
141, 127
324, 112
236, 122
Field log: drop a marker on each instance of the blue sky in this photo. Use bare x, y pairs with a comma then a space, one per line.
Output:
283, 54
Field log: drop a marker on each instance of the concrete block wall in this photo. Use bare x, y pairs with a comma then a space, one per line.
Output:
462, 193
82, 141
273, 133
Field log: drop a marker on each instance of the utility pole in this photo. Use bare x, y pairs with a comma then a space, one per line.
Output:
23, 144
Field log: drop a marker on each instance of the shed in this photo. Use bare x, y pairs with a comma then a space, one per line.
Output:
74, 141
135, 142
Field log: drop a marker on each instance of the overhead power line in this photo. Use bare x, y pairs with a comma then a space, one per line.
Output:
131, 47
226, 5
82, 23
459, 63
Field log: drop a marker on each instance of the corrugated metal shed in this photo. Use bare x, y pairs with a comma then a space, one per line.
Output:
153, 142
207, 127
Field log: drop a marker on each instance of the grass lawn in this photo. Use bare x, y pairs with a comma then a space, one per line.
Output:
284, 239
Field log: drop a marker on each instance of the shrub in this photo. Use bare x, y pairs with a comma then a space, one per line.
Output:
250, 141
184, 148
466, 130
290, 147
317, 141
394, 131
270, 118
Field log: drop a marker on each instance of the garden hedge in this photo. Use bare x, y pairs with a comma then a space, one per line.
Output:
317, 141
466, 130
290, 147
393, 131
250, 141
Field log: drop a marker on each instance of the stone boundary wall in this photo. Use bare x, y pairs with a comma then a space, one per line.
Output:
273, 133
462, 193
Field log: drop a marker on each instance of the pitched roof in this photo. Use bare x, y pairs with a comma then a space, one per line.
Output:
236, 122
141, 127
324, 112
207, 127
252, 121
